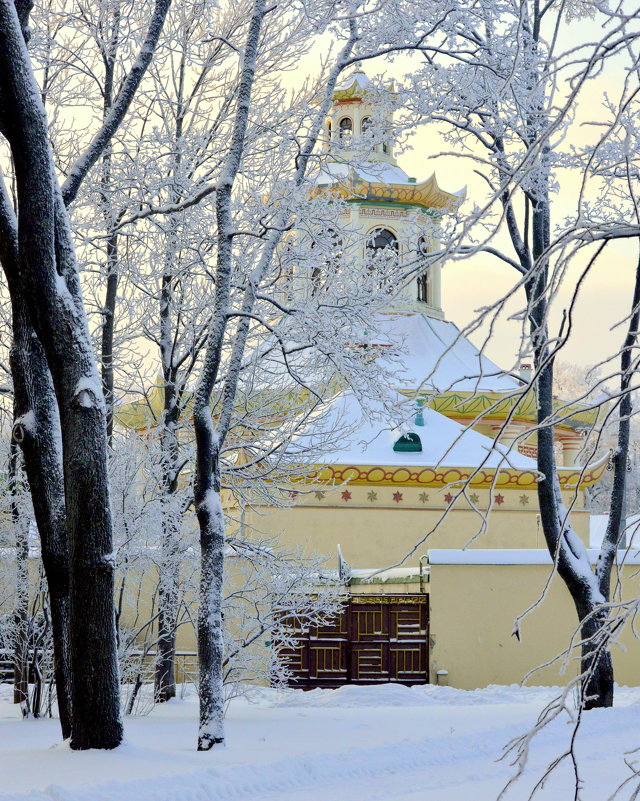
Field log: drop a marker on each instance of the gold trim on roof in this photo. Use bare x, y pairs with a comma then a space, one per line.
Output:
481, 406
427, 194
357, 92
507, 478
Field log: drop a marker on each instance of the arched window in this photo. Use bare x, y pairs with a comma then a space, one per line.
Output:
381, 238
365, 124
423, 280
423, 288
385, 148
329, 128
346, 127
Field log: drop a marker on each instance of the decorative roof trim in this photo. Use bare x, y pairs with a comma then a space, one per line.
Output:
357, 91
475, 405
427, 194
508, 478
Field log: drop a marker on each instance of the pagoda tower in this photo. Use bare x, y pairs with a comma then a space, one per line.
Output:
385, 205
388, 208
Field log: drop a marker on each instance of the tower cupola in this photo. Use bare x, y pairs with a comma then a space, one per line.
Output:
361, 120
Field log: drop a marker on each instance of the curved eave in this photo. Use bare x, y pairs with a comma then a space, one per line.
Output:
427, 195
141, 414
356, 91
507, 478
495, 406
144, 415
353, 92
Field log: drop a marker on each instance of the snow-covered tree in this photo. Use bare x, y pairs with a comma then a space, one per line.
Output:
59, 404
505, 81
255, 208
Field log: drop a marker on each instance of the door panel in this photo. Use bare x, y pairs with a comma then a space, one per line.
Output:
376, 639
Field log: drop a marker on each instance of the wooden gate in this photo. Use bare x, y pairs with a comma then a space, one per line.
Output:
375, 639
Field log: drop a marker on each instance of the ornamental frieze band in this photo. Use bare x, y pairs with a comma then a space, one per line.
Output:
392, 213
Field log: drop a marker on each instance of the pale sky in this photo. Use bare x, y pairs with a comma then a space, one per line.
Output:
475, 282
468, 285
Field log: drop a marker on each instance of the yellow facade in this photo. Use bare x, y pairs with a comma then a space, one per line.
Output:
473, 610
378, 533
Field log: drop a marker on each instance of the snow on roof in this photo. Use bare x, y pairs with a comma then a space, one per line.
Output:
358, 77
514, 556
419, 353
373, 171
435, 357
369, 438
365, 573
598, 528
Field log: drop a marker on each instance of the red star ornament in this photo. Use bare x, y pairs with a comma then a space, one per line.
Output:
499, 499
397, 497
346, 495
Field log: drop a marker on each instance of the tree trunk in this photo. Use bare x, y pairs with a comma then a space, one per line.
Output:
37, 429
210, 632
108, 327
34, 402
165, 677
596, 663
50, 285
21, 605
96, 720
564, 546
113, 267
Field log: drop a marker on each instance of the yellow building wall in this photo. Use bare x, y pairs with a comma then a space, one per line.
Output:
472, 614
381, 532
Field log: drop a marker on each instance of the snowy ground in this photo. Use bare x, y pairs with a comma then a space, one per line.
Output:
382, 743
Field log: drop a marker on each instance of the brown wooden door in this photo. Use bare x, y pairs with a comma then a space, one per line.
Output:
369, 642
328, 652
377, 639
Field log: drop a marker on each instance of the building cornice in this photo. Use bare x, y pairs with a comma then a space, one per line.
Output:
479, 478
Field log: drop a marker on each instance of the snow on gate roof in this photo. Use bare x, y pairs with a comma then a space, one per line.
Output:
514, 556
